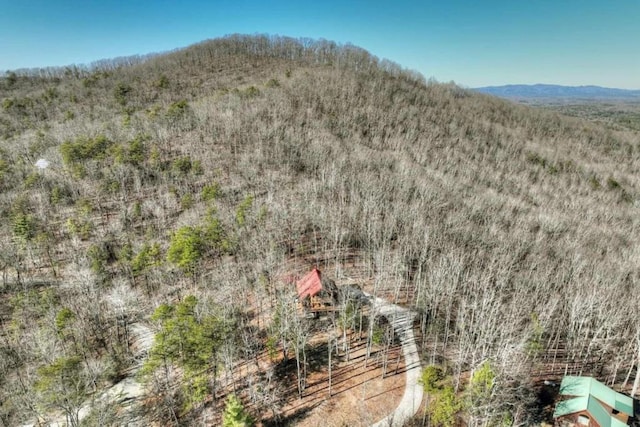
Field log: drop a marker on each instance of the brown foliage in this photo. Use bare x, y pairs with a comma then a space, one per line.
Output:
484, 211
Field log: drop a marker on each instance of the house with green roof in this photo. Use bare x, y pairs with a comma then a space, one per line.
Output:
588, 402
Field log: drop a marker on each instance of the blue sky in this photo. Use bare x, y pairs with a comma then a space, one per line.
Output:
474, 43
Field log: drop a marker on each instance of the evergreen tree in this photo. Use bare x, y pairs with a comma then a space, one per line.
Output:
235, 414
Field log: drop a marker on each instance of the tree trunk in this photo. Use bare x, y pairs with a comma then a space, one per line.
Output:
636, 383
299, 375
329, 347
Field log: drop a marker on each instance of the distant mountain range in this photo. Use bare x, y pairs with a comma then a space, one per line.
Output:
544, 91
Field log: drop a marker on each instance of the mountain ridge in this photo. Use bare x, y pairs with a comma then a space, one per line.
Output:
558, 91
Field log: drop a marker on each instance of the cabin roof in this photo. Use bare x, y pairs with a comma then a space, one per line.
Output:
587, 394
310, 284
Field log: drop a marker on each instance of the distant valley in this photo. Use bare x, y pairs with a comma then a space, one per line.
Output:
558, 92
615, 108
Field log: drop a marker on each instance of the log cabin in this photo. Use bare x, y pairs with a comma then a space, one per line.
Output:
317, 294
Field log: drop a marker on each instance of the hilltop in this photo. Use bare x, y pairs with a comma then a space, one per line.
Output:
183, 190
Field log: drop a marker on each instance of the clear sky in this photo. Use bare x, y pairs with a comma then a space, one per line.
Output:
473, 42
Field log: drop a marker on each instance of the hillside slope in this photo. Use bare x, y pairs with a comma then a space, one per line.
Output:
207, 170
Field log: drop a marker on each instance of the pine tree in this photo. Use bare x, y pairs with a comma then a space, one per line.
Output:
235, 414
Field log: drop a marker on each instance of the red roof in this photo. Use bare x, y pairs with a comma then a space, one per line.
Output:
310, 284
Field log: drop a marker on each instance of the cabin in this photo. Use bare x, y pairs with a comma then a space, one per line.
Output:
587, 402
316, 294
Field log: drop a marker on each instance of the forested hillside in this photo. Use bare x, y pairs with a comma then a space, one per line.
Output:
182, 188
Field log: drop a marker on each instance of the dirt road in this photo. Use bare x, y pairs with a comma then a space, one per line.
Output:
402, 321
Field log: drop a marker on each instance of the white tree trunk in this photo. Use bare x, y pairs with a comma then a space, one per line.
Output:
636, 383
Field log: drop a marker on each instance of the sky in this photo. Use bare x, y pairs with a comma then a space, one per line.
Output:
472, 42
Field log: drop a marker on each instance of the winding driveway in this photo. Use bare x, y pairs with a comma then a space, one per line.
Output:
402, 321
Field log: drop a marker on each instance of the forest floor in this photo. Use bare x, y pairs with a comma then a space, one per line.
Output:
383, 391
360, 391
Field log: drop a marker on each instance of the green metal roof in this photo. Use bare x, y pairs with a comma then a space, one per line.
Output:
571, 406
587, 392
585, 386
